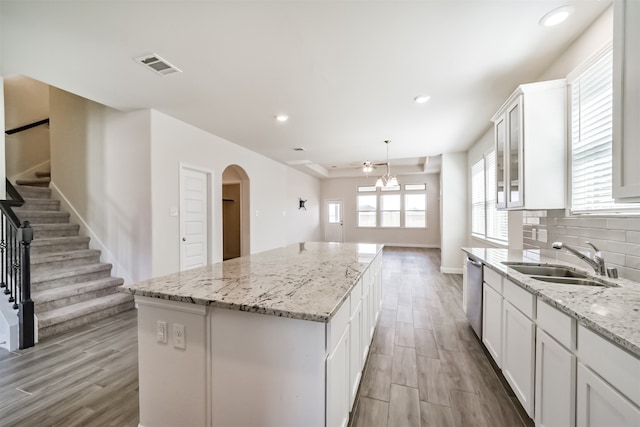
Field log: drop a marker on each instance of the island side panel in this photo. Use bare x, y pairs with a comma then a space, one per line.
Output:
266, 370
173, 385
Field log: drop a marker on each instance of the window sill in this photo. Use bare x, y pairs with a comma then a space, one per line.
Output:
492, 242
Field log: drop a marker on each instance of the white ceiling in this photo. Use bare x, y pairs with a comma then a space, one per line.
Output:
345, 72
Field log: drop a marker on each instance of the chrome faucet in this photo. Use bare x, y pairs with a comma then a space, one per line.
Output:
597, 262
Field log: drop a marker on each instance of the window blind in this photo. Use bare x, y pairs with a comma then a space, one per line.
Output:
477, 199
591, 93
497, 221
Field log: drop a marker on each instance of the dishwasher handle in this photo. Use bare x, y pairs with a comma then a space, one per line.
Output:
473, 262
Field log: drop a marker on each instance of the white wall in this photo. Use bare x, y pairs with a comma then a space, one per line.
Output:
174, 142
100, 168
26, 101
303, 225
455, 210
345, 189
2, 141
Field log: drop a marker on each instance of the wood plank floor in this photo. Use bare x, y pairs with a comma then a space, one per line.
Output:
426, 368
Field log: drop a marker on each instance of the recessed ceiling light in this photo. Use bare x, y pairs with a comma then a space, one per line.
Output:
282, 118
556, 16
421, 99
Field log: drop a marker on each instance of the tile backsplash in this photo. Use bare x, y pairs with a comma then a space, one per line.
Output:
617, 237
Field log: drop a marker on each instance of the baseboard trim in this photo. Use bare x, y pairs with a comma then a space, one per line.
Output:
29, 173
450, 270
95, 242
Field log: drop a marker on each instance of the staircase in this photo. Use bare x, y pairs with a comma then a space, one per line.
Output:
70, 286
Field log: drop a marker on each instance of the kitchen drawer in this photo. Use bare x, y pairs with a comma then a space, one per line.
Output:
338, 324
559, 325
356, 296
492, 279
520, 298
618, 367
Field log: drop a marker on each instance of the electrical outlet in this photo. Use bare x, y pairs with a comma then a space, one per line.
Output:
178, 336
161, 331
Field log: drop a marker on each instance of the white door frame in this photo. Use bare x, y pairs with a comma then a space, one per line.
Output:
208, 203
326, 217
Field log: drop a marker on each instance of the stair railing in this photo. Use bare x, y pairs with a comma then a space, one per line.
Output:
27, 127
15, 264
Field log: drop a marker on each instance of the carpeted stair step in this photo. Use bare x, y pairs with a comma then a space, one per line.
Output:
42, 217
58, 244
40, 204
48, 279
33, 192
43, 174
64, 259
52, 299
45, 231
63, 319
36, 182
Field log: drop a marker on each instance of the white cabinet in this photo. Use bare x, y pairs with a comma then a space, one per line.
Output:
338, 382
555, 386
492, 322
518, 352
555, 383
626, 100
600, 405
355, 359
531, 152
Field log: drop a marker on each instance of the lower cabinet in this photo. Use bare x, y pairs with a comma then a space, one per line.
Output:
600, 405
338, 382
518, 352
555, 383
355, 362
492, 322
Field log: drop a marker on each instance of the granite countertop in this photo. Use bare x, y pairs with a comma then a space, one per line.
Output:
613, 312
307, 281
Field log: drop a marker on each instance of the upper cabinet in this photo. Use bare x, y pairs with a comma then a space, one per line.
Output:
626, 100
531, 150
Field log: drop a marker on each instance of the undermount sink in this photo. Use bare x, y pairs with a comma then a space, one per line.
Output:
545, 270
569, 281
556, 274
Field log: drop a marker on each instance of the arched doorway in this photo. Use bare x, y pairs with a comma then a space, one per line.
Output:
235, 213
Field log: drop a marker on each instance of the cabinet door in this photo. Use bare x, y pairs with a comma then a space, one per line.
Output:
600, 405
367, 319
626, 100
518, 353
515, 194
501, 178
338, 383
555, 383
492, 322
355, 359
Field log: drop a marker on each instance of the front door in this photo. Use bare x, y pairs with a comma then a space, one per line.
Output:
334, 223
194, 223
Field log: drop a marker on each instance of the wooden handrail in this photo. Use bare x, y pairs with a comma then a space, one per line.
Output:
27, 127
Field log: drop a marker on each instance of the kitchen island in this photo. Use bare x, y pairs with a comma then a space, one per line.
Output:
273, 339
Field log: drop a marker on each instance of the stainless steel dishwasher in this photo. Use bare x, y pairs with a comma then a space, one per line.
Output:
474, 295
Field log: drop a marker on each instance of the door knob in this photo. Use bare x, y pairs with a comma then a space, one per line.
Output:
184, 239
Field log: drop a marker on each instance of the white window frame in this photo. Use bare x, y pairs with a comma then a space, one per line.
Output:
608, 209
400, 190
489, 202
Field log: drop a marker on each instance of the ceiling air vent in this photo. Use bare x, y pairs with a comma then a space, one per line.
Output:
158, 64
298, 149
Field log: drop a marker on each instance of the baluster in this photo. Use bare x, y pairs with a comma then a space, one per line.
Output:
26, 312
3, 256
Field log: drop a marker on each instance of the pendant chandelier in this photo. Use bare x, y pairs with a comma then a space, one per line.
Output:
387, 180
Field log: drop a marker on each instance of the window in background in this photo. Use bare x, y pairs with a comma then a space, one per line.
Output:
415, 210
591, 92
486, 221
367, 210
390, 210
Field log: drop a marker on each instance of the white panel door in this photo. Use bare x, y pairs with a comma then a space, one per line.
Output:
334, 223
338, 383
193, 218
492, 322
